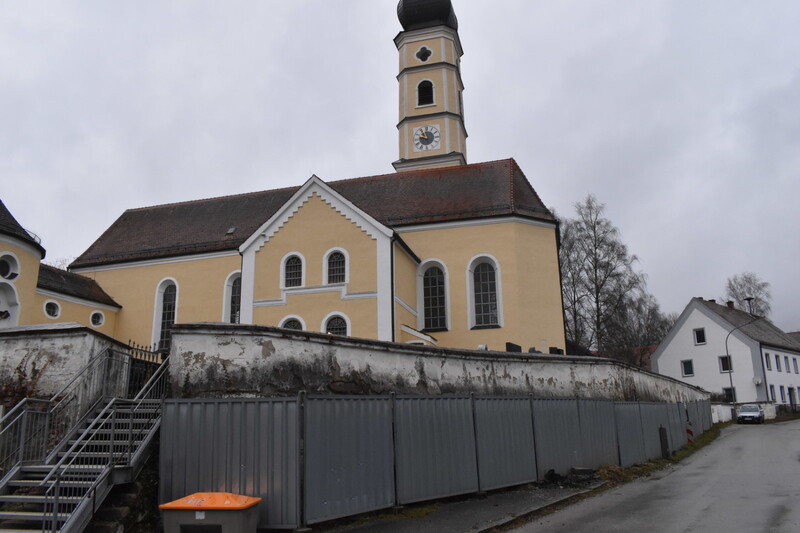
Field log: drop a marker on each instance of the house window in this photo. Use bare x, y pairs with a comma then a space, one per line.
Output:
772, 392
794, 361
783, 394
97, 319
786, 363
725, 364
729, 393
484, 293
425, 93
336, 325
434, 300
336, 268
52, 309
687, 368
235, 304
169, 298
768, 361
700, 336
777, 362
292, 323
293, 272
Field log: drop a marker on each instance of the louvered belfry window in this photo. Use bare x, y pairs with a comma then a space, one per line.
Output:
293, 272
425, 93
433, 294
336, 268
485, 287
168, 299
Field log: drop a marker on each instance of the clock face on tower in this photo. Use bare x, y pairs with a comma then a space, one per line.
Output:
426, 138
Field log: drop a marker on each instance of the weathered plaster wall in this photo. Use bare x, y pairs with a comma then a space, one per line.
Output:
45, 358
227, 360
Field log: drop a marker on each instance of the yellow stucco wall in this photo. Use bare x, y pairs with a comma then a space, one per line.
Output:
201, 288
529, 282
312, 231
72, 311
405, 288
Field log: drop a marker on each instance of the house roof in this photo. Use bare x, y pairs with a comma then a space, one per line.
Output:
9, 226
762, 330
446, 194
71, 284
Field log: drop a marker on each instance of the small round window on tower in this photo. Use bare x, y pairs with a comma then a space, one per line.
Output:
424, 53
9, 268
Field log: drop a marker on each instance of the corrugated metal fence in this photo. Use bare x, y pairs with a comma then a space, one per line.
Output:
318, 458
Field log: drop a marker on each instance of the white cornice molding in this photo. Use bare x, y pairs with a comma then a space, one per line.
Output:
153, 262
341, 288
474, 222
405, 305
313, 186
76, 300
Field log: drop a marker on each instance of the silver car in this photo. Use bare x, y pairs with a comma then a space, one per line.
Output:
750, 412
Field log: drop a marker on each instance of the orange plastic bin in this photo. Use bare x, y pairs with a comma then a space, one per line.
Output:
211, 512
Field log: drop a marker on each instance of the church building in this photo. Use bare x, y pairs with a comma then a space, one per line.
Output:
441, 252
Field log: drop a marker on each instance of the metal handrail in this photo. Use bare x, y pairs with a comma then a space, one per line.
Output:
83, 371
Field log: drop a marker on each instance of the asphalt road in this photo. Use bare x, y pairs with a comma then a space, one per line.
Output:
747, 481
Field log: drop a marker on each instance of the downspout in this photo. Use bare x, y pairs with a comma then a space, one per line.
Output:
391, 265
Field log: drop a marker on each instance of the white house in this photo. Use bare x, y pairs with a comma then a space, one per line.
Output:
761, 364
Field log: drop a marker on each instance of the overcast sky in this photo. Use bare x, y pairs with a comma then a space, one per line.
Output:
683, 117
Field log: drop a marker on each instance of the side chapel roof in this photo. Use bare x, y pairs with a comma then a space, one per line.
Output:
446, 194
71, 284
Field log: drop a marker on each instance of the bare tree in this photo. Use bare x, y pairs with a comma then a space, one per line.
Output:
748, 285
597, 274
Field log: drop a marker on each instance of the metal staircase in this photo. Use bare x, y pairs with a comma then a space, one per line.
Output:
60, 458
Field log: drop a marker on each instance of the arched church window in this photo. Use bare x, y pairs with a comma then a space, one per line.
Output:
485, 312
293, 272
425, 93
434, 299
336, 267
292, 323
336, 325
235, 304
169, 299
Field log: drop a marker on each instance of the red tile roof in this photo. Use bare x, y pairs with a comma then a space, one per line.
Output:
482, 190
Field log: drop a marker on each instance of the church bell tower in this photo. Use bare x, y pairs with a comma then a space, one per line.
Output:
431, 127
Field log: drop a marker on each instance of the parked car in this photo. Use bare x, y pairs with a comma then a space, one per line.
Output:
750, 412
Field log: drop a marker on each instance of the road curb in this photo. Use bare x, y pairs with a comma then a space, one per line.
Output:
530, 513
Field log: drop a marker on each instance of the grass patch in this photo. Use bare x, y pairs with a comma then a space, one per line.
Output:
615, 475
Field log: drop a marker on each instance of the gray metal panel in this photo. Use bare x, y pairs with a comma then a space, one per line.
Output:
654, 415
598, 433
558, 435
244, 446
695, 419
629, 434
435, 447
506, 454
705, 412
348, 456
677, 425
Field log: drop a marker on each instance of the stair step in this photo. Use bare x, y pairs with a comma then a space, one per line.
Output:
34, 469
37, 483
26, 516
34, 498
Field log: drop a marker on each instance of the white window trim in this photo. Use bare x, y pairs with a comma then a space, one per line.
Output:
302, 271
423, 266
226, 296
44, 309
15, 308
416, 94
346, 266
16, 270
730, 364
682, 368
471, 265
346, 318
158, 305
293, 317
102, 318
694, 336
